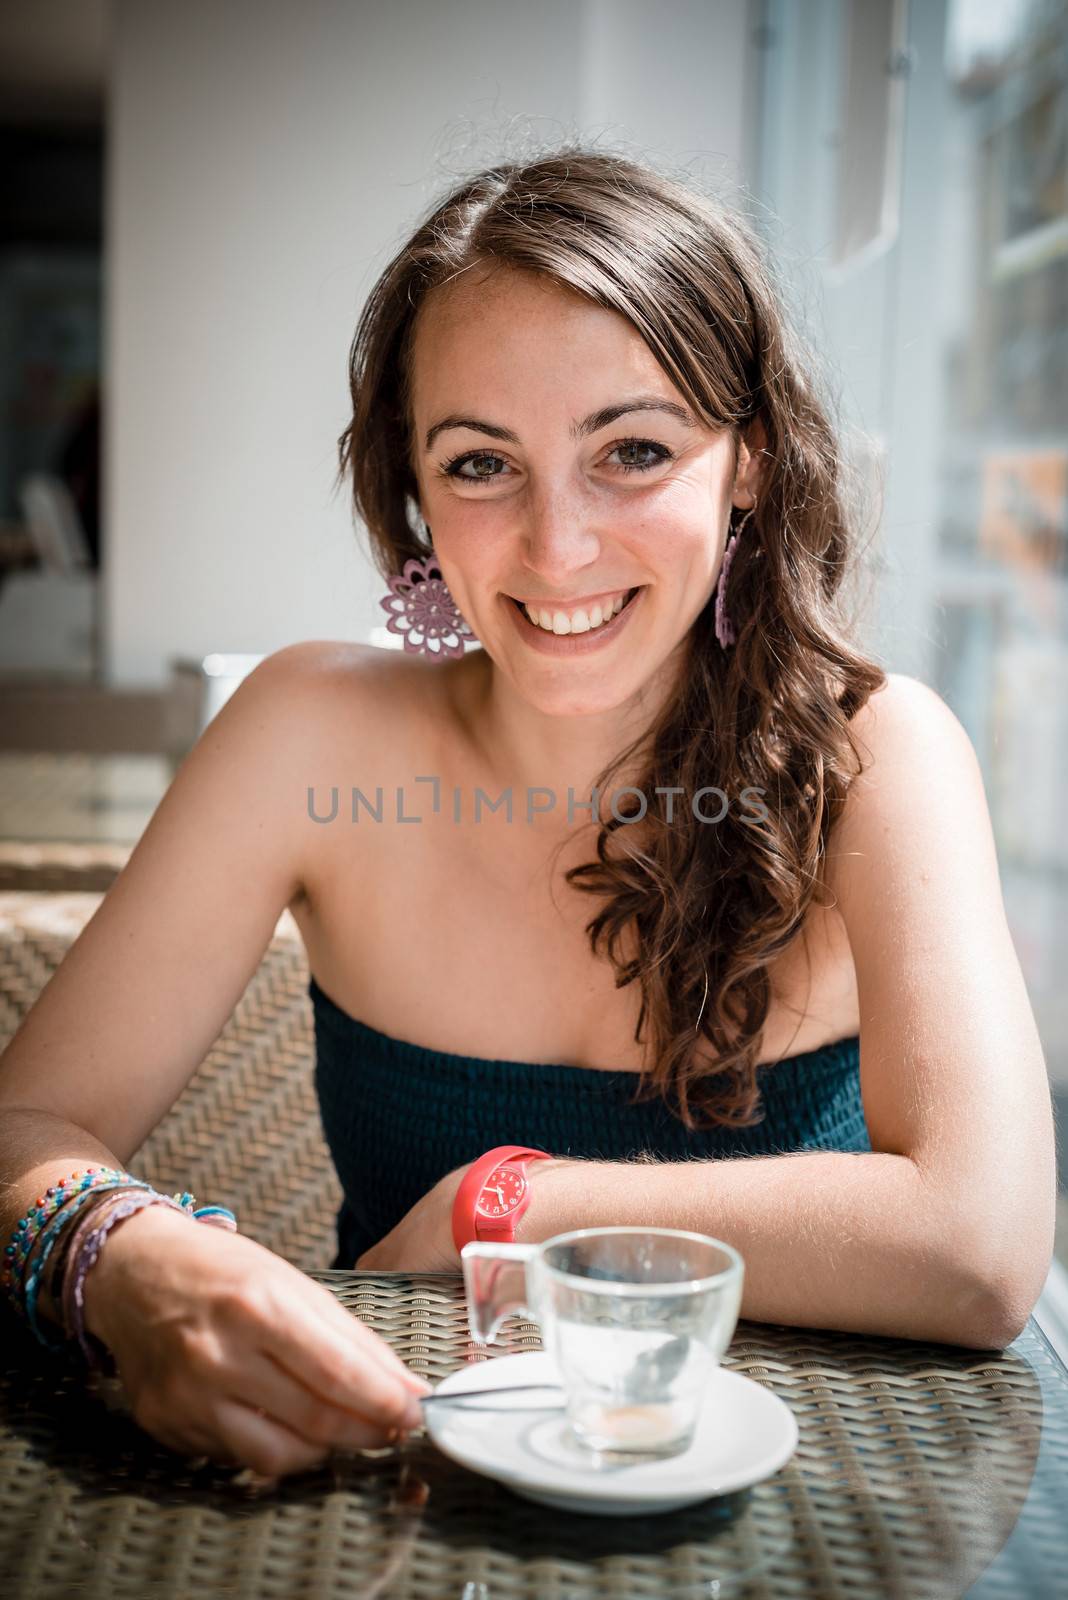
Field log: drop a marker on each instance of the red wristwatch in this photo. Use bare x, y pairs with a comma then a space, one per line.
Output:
493, 1195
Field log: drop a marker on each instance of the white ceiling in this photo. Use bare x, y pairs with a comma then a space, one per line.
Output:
53, 56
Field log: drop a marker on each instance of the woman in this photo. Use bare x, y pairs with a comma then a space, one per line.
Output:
745, 902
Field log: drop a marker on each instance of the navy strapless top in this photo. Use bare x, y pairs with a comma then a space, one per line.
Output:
399, 1116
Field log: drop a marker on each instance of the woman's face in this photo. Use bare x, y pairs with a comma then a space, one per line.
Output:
534, 491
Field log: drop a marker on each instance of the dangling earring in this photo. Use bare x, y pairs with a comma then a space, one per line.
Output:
724, 631
423, 612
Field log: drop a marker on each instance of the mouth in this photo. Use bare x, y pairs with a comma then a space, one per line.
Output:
605, 614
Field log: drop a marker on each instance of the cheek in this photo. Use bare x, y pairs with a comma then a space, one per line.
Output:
467, 553
682, 546
463, 532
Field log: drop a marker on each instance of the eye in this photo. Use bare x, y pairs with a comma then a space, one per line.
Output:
451, 469
661, 454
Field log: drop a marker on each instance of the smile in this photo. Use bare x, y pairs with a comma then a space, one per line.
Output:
554, 632
575, 619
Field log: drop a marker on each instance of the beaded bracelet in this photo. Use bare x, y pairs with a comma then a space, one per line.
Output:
33, 1227
52, 1278
68, 1279
62, 1204
47, 1239
27, 1230
184, 1202
41, 1235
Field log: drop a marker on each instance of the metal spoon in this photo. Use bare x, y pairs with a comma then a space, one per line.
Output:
647, 1378
654, 1369
462, 1395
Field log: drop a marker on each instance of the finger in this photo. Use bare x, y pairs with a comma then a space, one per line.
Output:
262, 1383
184, 1441
263, 1443
341, 1370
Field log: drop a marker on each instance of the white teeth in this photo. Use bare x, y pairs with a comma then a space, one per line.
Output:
579, 621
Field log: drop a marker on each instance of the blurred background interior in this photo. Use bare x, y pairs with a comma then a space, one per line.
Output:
195, 198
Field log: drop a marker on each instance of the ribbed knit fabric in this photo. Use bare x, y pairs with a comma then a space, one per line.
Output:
398, 1116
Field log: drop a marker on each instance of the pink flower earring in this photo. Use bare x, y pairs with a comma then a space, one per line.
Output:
724, 631
423, 612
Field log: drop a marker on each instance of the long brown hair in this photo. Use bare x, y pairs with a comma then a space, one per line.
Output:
705, 909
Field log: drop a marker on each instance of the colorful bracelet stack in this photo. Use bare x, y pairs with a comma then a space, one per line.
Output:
89, 1204
26, 1231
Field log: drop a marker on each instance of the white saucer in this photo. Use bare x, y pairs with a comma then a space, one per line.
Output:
744, 1434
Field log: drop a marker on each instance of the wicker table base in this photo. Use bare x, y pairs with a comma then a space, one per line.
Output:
916, 1465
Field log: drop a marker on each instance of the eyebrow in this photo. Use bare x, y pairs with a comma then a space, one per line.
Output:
591, 424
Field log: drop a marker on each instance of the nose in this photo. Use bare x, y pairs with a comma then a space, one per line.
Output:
558, 540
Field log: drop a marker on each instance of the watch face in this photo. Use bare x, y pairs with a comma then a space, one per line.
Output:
501, 1193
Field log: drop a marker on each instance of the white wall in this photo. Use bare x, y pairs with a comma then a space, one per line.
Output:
266, 157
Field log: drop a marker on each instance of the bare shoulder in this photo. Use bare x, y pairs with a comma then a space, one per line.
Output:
318, 663
905, 715
918, 801
342, 713
331, 675
331, 687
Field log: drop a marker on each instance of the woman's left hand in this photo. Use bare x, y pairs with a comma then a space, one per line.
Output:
422, 1239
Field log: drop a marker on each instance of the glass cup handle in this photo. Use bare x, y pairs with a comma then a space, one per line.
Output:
498, 1285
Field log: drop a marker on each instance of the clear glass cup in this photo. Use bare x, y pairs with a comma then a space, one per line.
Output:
635, 1319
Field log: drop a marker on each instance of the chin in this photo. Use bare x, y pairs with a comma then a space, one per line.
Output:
564, 699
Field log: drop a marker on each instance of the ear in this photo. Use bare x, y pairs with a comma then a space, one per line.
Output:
751, 447
414, 510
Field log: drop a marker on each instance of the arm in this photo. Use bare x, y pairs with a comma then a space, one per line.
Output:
222, 1346
830, 1239
945, 1230
138, 1000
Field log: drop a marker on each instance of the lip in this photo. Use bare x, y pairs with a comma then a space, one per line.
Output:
572, 644
584, 601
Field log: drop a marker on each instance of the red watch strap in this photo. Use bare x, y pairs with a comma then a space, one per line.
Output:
464, 1228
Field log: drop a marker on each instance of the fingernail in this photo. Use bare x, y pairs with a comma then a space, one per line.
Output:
413, 1416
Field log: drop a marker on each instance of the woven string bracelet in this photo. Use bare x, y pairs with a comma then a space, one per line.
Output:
47, 1239
27, 1230
85, 1251
53, 1277
65, 1209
